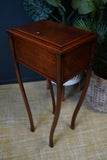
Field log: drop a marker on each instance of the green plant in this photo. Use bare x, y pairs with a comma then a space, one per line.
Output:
87, 6
95, 22
37, 9
48, 9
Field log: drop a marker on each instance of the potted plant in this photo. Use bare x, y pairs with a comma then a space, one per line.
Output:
95, 20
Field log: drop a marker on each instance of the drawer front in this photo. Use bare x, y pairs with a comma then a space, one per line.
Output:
76, 61
36, 57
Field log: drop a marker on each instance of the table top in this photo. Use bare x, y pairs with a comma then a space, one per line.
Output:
52, 32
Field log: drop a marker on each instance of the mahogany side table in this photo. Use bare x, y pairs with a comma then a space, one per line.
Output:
56, 51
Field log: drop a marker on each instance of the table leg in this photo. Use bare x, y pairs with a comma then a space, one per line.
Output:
52, 95
81, 99
56, 116
47, 84
63, 92
79, 85
24, 95
20, 83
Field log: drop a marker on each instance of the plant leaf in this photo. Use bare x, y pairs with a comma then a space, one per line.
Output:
105, 1
83, 6
54, 3
63, 8
37, 9
67, 21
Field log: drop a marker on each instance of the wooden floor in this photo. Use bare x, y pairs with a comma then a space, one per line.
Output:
87, 142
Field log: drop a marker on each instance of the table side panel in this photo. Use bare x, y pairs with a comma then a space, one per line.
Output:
35, 56
75, 61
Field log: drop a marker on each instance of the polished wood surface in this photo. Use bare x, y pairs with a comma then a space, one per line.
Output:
55, 34
56, 51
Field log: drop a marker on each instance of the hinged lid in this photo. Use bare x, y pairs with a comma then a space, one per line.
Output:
52, 32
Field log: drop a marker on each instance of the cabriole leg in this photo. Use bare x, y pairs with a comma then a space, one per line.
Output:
20, 83
81, 99
56, 117
24, 96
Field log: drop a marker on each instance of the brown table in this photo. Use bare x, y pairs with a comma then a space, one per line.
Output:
56, 51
